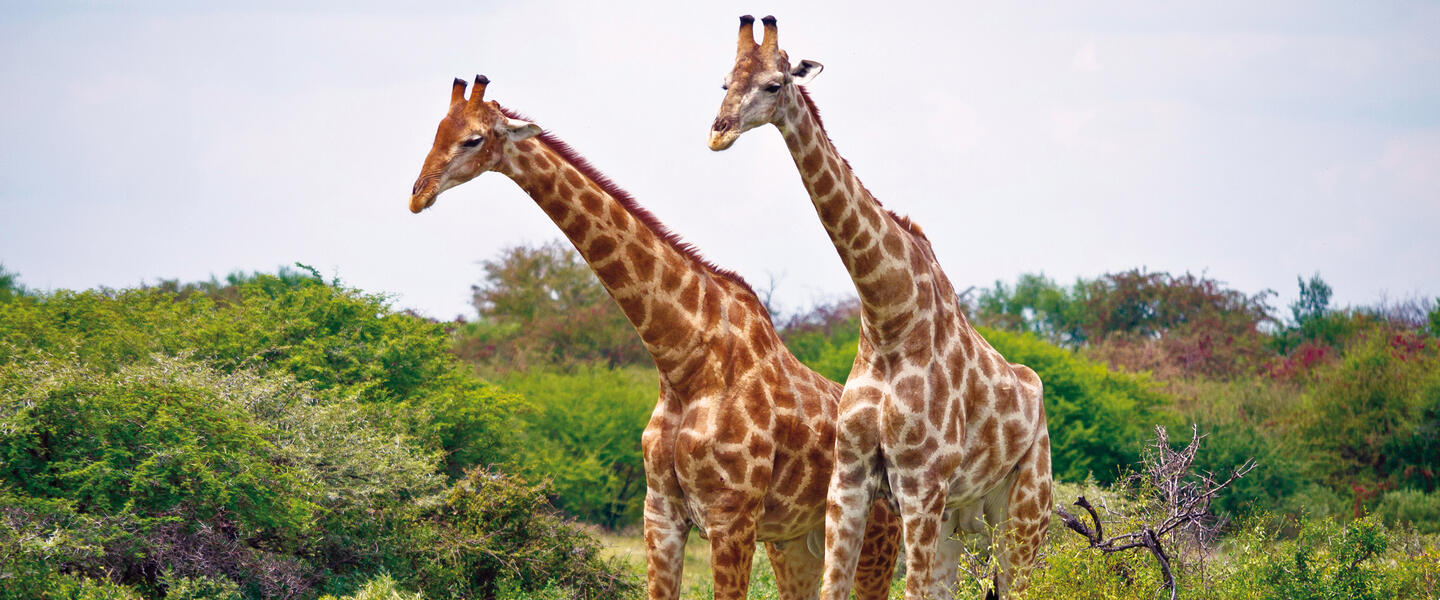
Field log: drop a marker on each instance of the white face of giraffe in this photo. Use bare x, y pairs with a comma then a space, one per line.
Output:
471, 140
756, 88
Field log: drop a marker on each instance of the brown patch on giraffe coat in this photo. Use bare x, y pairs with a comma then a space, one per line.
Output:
573, 179
1014, 436
939, 394
849, 226
815, 485
601, 248
757, 406
1007, 399
811, 162
911, 392
666, 325
690, 297
615, 274
642, 259
987, 364
895, 246
824, 184
671, 279
590, 201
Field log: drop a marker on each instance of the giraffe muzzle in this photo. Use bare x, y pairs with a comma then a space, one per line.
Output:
724, 124
723, 133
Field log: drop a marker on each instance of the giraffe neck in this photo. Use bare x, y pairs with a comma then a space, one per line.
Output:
889, 260
666, 292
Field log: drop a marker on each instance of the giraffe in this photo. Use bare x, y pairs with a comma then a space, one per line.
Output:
740, 442
931, 417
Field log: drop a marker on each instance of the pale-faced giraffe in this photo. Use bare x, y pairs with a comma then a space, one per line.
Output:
931, 416
740, 443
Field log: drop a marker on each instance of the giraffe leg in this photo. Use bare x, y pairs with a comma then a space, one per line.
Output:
732, 549
947, 556
797, 569
665, 533
1024, 519
921, 511
852, 491
877, 554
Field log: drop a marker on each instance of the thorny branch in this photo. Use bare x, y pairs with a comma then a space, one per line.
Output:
1184, 501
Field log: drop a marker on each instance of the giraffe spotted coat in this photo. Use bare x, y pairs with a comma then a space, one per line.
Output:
931, 417
740, 444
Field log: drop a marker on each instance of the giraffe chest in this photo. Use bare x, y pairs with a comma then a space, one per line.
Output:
727, 462
966, 423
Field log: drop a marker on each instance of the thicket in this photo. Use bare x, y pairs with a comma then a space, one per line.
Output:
271, 436
1338, 405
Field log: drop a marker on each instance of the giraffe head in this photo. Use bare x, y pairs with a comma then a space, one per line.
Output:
757, 87
471, 140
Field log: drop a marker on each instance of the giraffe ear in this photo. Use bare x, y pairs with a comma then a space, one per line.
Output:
805, 71
517, 130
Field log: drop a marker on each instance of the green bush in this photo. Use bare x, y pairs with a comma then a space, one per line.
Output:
1411, 507
382, 587
582, 431
490, 527
256, 478
334, 338
1099, 419
199, 588
1372, 415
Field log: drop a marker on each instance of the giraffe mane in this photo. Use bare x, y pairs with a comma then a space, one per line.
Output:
903, 221
640, 213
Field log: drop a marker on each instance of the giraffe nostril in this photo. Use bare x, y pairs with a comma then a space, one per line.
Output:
723, 124
415, 189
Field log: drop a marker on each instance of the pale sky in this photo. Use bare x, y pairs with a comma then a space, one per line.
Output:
1253, 142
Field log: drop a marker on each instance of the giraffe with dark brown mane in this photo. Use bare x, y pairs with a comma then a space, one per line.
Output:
932, 417
741, 442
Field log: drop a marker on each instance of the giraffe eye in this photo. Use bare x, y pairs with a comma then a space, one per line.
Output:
772, 88
724, 86
472, 142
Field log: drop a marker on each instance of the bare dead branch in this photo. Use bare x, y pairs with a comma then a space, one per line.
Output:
1181, 503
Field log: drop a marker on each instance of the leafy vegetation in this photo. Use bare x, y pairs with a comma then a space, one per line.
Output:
283, 436
270, 437
582, 431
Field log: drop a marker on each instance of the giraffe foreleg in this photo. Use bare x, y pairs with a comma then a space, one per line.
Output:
947, 556
921, 510
1026, 519
852, 492
665, 533
877, 554
731, 526
797, 569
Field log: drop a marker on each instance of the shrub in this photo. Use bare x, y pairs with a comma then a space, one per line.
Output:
1366, 414
255, 478
490, 527
1099, 419
382, 587
334, 338
582, 432
1411, 507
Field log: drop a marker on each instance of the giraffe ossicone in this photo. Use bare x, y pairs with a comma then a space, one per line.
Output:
932, 417
741, 441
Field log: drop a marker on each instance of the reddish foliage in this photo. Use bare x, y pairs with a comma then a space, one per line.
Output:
1301, 361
